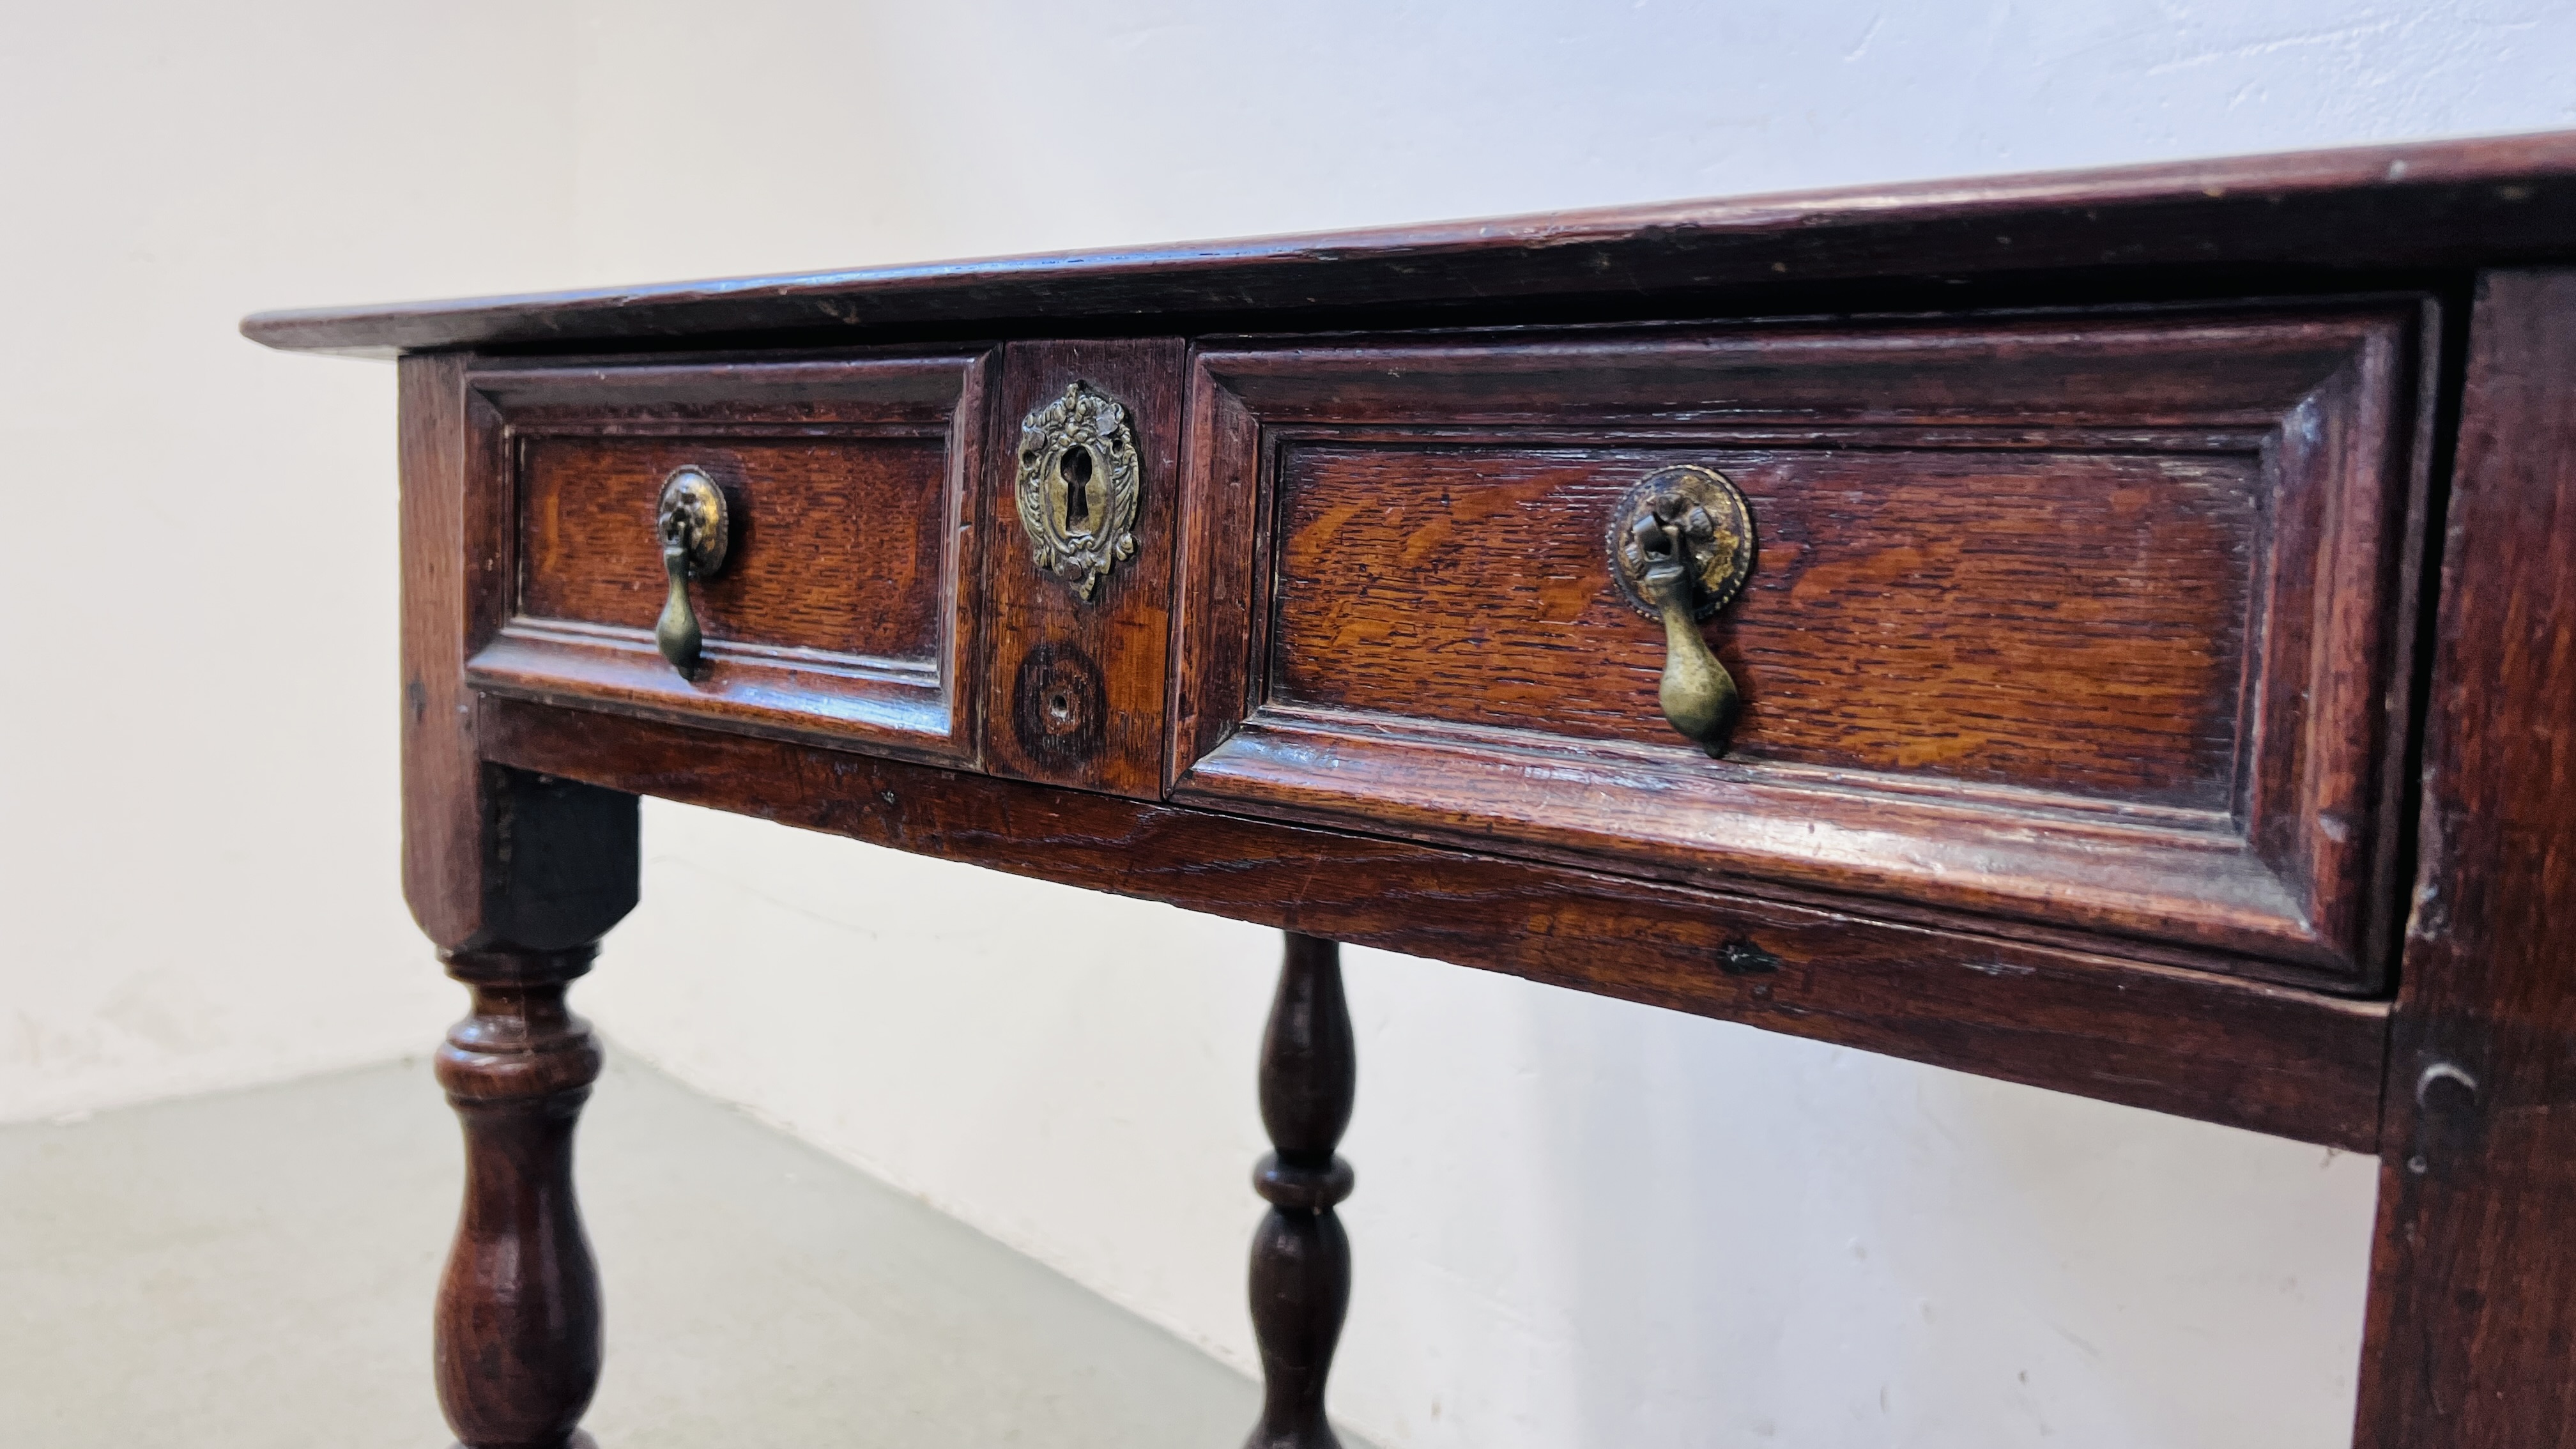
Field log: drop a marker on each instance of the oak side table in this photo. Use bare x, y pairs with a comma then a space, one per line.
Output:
2114, 632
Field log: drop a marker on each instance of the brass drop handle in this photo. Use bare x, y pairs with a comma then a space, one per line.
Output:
1698, 695
695, 534
1681, 546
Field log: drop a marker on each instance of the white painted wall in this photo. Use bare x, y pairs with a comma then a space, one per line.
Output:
198, 885
1579, 1222
784, 134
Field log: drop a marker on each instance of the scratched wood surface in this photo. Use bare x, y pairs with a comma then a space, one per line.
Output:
838, 544
2091, 621
2473, 1287
1073, 688
2292, 1062
1910, 610
841, 609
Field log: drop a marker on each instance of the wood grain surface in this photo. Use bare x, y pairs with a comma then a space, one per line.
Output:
2069, 622
2094, 620
2473, 1291
492, 859
839, 545
1074, 688
2275, 1059
840, 610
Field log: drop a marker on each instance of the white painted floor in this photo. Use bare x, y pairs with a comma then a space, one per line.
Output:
255, 1269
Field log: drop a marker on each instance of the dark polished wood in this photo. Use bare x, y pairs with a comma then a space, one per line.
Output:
2276, 1059
2155, 570
843, 607
2096, 619
517, 1340
514, 876
1301, 1259
492, 859
1073, 687
2473, 1297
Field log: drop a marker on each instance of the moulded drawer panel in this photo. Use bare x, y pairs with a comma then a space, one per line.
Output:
2082, 625
841, 542
837, 612
1909, 614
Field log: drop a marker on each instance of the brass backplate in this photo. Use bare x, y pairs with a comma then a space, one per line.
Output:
1715, 524
1078, 486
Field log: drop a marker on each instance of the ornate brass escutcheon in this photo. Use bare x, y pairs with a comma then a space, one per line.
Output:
695, 533
1681, 547
1077, 486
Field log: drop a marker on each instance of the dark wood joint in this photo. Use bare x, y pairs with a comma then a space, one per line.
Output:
559, 864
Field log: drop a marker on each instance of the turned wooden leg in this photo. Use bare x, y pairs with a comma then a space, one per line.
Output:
1301, 1261
514, 877
518, 1309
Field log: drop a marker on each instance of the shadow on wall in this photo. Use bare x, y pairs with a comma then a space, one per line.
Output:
1578, 1221
1649, 1225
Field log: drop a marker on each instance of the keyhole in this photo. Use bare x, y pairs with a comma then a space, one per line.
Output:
1074, 467
1060, 706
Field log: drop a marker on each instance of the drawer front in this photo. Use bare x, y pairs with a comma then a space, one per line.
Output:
2084, 627
836, 610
